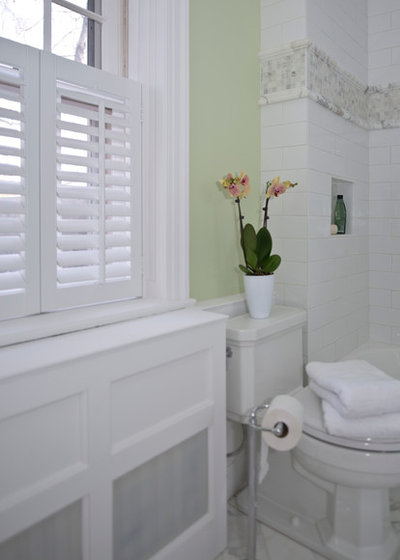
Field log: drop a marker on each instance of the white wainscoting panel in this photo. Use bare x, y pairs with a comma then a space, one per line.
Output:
189, 374
28, 441
116, 437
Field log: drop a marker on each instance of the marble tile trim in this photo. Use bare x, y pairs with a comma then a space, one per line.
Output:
300, 69
384, 106
335, 89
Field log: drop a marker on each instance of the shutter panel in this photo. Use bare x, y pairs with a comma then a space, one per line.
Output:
93, 240
19, 236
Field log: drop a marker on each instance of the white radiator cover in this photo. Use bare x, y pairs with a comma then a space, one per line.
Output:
80, 416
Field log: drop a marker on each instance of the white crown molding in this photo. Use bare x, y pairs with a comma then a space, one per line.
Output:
159, 59
280, 96
284, 50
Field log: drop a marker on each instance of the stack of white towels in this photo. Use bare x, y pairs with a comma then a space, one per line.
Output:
358, 400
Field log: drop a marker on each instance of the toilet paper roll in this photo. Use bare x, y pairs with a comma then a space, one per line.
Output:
288, 410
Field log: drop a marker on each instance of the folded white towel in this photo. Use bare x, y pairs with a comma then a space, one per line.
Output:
355, 388
383, 426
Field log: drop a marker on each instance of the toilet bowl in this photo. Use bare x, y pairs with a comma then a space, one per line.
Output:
357, 474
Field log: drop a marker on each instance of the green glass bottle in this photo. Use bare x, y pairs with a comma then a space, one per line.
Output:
339, 216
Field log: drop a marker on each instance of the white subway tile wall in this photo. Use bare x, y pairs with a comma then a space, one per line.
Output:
384, 209
340, 29
282, 21
349, 284
343, 281
284, 139
383, 42
327, 275
384, 186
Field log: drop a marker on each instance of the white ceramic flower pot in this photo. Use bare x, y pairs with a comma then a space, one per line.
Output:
259, 292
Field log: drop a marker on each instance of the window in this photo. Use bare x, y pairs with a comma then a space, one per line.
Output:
86, 31
158, 59
70, 184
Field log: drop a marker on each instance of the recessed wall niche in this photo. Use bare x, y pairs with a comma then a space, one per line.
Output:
345, 188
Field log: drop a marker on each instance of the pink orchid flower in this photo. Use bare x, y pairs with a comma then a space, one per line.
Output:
237, 186
276, 188
234, 190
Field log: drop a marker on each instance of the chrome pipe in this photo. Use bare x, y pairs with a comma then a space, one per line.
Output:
252, 493
279, 430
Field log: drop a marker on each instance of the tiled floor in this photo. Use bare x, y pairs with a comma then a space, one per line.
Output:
271, 545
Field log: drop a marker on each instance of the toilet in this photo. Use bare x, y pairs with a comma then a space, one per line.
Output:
330, 493
358, 475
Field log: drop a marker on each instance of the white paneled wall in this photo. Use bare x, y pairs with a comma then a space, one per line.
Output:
114, 438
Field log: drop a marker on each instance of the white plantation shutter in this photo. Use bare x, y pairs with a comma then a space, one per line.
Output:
91, 175
70, 184
19, 181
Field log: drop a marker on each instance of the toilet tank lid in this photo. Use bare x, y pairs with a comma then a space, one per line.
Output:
243, 328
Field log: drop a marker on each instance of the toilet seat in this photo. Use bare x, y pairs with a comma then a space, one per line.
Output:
313, 426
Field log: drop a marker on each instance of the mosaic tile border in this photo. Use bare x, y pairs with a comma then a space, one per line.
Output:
284, 69
302, 70
384, 106
335, 89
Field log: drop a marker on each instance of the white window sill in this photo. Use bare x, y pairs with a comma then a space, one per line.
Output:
14, 331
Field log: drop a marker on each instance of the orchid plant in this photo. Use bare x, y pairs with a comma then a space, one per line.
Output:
256, 247
274, 188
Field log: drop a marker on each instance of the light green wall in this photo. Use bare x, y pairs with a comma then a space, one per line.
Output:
224, 137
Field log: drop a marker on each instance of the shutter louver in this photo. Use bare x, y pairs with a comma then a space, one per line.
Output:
78, 199
93, 190
18, 180
97, 131
12, 187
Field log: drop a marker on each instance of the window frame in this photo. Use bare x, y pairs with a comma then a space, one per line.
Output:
158, 57
110, 34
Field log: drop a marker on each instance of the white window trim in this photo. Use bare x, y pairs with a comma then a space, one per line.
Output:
159, 59
113, 57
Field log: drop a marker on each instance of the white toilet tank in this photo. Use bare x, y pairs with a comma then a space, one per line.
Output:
264, 358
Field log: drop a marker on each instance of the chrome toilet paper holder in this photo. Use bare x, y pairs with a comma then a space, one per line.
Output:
279, 430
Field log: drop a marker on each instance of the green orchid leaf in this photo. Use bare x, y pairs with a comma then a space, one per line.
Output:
264, 246
249, 238
272, 264
251, 258
246, 270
